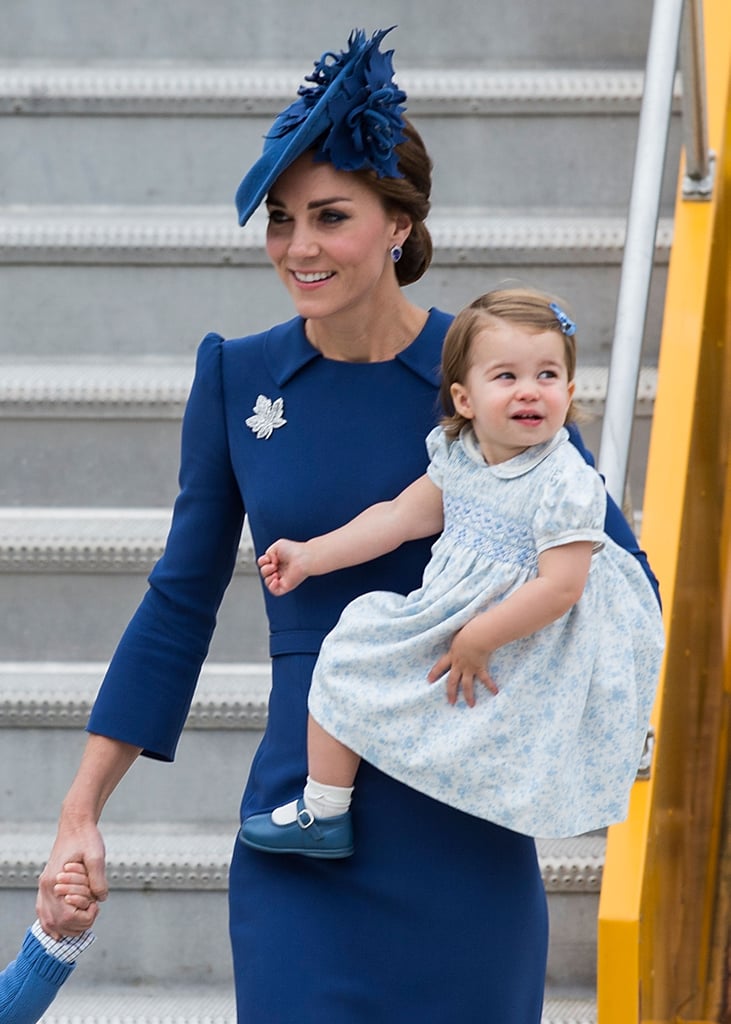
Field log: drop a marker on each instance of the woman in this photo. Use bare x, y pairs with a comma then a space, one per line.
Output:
438, 916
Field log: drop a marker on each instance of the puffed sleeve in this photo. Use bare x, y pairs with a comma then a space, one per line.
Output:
571, 508
615, 524
437, 448
146, 693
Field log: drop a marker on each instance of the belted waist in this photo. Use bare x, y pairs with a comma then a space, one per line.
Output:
296, 641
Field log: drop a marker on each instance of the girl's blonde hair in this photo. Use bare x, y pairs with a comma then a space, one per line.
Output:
524, 306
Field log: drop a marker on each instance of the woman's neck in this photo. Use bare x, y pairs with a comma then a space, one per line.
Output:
378, 338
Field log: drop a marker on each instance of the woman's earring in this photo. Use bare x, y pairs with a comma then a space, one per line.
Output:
396, 253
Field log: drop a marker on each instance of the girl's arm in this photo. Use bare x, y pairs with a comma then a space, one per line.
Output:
562, 574
415, 513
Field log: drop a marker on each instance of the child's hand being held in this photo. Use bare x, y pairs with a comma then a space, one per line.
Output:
73, 884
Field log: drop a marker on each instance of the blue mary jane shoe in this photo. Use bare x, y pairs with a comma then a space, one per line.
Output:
328, 838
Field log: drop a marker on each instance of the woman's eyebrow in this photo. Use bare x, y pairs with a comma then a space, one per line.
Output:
326, 202
315, 204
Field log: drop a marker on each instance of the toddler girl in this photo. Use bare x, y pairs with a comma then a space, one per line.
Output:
541, 638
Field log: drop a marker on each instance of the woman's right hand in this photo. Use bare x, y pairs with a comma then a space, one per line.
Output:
78, 840
80, 843
283, 566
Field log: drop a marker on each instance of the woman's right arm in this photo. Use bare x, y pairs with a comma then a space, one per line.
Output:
145, 695
146, 692
415, 513
104, 763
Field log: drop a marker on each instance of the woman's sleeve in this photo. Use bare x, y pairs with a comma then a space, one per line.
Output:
615, 524
146, 693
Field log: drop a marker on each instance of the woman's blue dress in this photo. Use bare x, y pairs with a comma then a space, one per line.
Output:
439, 916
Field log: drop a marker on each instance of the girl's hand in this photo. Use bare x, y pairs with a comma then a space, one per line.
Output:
283, 566
465, 662
73, 885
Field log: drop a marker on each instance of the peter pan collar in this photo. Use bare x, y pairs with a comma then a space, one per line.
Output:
518, 465
287, 350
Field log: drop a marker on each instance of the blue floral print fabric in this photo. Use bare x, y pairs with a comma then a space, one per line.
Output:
555, 752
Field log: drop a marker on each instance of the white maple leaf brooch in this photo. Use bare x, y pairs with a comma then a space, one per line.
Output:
267, 416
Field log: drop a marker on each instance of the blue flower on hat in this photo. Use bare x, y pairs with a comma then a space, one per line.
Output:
363, 113
351, 115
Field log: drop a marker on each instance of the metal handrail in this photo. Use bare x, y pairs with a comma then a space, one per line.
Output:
699, 161
643, 214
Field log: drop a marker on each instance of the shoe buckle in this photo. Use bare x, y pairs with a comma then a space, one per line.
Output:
305, 818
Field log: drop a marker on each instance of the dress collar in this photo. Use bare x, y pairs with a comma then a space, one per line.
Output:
518, 465
287, 350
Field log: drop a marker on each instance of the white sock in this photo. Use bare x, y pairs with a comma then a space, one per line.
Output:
324, 802
285, 814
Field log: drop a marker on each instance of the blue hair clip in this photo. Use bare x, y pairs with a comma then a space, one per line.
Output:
567, 325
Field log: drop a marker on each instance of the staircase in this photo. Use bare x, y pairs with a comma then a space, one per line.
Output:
125, 131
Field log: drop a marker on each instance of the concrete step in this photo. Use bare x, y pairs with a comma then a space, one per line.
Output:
165, 876
108, 431
180, 1004
105, 432
166, 880
176, 1003
490, 32
44, 707
71, 579
147, 135
108, 282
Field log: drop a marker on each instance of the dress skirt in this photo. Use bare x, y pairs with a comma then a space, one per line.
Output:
439, 916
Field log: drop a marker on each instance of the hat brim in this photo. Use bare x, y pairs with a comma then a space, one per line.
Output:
341, 83
279, 154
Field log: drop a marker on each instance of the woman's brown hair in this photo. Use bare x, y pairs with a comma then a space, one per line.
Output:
411, 195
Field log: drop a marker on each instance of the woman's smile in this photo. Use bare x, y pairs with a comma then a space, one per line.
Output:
312, 277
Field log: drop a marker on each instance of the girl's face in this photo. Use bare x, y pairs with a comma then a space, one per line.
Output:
329, 238
516, 392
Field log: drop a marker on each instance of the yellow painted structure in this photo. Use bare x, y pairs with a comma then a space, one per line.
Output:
664, 915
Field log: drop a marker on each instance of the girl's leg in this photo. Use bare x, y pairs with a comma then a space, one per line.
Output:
329, 760
318, 823
332, 769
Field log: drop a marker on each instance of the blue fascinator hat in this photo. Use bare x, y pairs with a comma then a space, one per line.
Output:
351, 114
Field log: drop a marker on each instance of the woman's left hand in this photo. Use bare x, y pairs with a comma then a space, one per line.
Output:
464, 663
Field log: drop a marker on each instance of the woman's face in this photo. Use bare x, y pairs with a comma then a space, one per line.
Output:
329, 238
